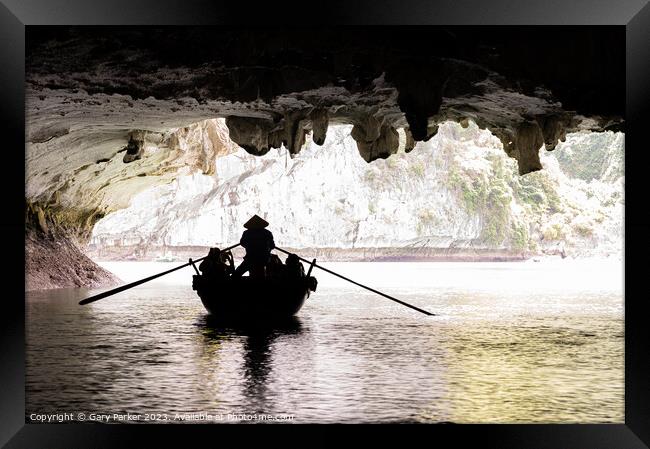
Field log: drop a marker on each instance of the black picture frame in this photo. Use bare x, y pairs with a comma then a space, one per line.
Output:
634, 15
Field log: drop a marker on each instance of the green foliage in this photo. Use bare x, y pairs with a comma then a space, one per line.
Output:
554, 232
614, 199
539, 192
520, 237
492, 193
583, 230
593, 156
427, 218
370, 175
417, 168
50, 218
495, 229
498, 211
473, 190
454, 179
426, 215
475, 195
489, 197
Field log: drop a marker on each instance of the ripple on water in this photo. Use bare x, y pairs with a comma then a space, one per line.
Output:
489, 356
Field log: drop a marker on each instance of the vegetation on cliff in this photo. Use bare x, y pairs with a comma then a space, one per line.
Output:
572, 205
457, 190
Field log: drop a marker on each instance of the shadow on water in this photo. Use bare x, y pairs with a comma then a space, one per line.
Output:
213, 327
257, 339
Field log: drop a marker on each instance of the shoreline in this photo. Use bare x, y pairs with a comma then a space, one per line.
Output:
381, 254
55, 261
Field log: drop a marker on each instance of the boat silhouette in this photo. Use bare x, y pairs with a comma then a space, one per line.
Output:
249, 298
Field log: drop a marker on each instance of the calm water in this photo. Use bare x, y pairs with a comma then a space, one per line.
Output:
513, 342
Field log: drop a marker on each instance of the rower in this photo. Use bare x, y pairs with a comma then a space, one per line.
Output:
275, 268
294, 267
217, 265
258, 242
209, 265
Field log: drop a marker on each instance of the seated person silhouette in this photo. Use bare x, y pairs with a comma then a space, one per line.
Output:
275, 268
217, 265
258, 243
294, 267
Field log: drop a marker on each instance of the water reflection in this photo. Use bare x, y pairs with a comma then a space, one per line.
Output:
258, 345
491, 355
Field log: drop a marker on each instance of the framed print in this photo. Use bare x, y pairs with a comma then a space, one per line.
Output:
391, 214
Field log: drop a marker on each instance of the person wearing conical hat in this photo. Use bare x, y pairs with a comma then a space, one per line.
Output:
258, 242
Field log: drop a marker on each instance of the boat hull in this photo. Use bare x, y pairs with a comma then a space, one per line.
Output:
253, 299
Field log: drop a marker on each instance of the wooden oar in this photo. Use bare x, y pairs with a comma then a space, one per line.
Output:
142, 281
360, 285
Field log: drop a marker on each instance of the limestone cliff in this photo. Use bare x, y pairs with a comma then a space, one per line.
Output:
458, 190
113, 113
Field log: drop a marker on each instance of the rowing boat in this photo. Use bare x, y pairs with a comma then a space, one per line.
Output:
250, 299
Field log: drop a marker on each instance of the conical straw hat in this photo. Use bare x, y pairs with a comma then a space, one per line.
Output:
256, 222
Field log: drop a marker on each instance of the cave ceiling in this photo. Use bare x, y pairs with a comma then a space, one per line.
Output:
97, 95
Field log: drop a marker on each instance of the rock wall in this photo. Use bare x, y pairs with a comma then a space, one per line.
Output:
98, 89
101, 171
53, 258
63, 205
458, 190
116, 112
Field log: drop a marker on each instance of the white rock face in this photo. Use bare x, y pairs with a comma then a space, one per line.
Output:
85, 169
325, 197
330, 197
